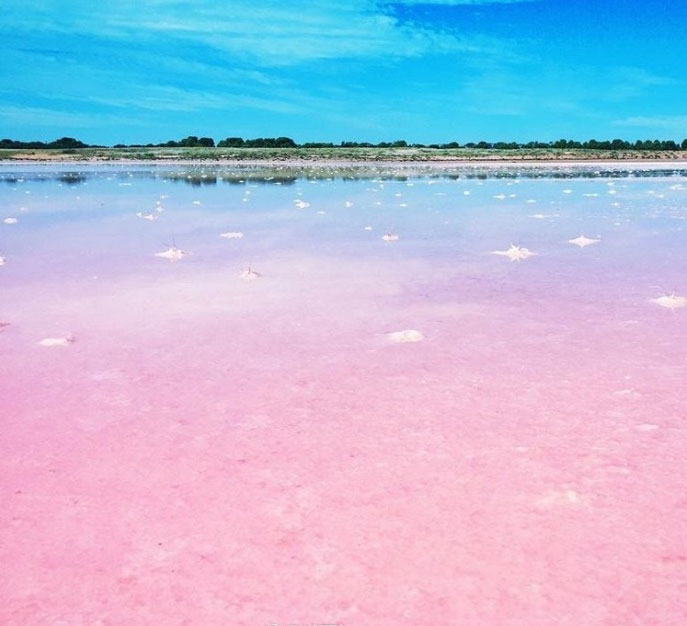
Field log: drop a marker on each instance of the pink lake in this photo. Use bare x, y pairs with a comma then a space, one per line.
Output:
200, 449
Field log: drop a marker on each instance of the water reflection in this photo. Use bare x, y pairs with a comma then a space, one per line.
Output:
289, 175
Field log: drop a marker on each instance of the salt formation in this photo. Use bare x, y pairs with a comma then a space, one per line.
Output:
173, 254
148, 216
50, 342
250, 274
671, 302
405, 336
583, 241
515, 253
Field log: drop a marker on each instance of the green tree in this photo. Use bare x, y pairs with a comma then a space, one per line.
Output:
231, 142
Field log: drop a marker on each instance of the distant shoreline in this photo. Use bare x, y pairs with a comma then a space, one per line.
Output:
344, 157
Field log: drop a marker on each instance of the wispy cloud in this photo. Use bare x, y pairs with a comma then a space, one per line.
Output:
46, 118
270, 32
676, 124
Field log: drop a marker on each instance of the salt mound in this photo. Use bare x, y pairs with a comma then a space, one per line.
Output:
250, 274
583, 241
173, 254
671, 302
515, 253
405, 336
50, 342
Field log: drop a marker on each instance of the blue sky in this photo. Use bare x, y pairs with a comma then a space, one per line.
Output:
426, 71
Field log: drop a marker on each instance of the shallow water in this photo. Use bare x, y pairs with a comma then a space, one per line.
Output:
205, 449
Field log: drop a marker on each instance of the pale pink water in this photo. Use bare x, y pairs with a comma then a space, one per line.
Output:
222, 452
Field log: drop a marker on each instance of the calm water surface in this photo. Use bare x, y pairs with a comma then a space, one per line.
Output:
192, 447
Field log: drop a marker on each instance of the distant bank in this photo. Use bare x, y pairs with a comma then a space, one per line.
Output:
334, 154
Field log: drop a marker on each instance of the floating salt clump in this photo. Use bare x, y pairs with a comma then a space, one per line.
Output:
368, 228
348, 204
515, 253
671, 302
405, 336
232, 235
196, 202
3, 260
646, 428
250, 274
500, 196
148, 216
583, 241
51, 342
301, 205
173, 254
566, 497
390, 237
10, 220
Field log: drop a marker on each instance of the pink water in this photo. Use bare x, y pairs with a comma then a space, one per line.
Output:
217, 451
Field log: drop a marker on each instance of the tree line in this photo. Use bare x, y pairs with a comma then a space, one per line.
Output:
63, 143
286, 142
